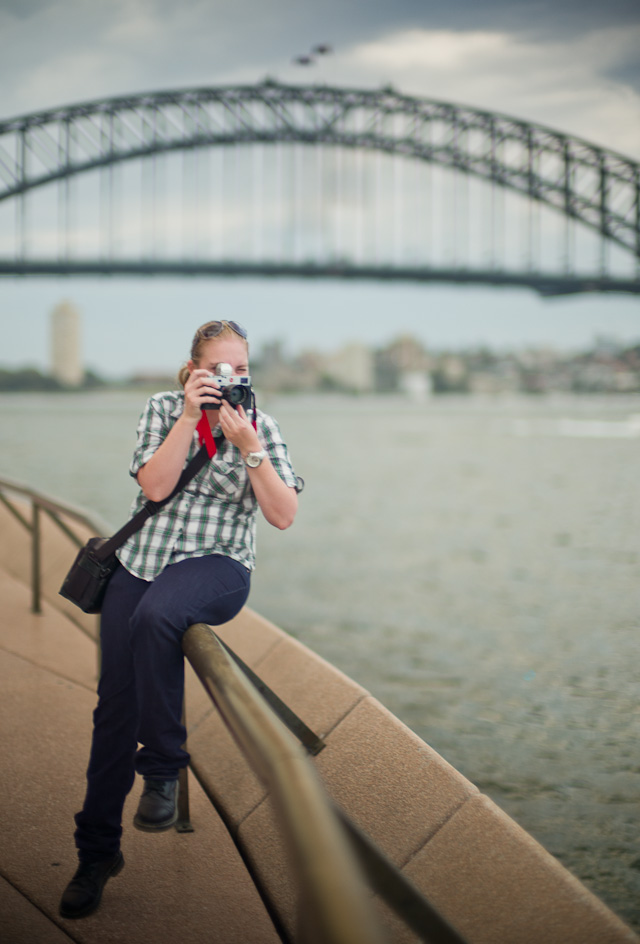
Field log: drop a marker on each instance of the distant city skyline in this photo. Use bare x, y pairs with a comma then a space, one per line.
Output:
123, 335
402, 366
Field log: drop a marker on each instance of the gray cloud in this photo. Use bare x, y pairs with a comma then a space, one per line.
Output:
23, 9
54, 53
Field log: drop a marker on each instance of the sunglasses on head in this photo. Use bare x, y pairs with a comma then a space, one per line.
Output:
214, 328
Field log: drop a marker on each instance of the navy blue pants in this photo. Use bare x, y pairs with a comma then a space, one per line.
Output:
141, 686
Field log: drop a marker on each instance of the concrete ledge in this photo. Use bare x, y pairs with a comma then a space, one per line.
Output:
251, 636
393, 785
495, 883
224, 772
318, 692
264, 847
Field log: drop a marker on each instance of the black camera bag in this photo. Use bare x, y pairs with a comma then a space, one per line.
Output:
86, 583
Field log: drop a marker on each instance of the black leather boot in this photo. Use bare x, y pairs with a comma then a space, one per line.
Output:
158, 807
83, 893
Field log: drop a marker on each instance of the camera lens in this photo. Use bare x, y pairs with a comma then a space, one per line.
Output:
238, 395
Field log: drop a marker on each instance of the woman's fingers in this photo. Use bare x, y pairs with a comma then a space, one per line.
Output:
201, 389
237, 428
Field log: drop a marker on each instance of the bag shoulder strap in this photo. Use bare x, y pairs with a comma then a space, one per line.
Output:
150, 508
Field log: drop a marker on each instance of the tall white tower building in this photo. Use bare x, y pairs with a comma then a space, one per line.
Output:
66, 358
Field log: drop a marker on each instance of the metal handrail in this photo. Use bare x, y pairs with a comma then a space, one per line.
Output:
335, 899
333, 857
55, 510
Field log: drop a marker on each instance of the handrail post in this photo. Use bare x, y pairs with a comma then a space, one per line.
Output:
35, 558
183, 823
30, 518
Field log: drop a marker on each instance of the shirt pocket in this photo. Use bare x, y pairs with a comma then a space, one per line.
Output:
228, 478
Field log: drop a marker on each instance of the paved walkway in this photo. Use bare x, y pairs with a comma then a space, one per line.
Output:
188, 888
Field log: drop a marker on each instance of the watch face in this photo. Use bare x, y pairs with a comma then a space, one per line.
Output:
254, 459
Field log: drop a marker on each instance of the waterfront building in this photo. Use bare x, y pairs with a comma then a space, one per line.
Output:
352, 368
66, 356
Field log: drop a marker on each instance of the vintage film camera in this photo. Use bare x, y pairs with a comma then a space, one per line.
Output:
235, 389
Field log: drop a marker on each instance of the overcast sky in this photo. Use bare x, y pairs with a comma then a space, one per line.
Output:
573, 65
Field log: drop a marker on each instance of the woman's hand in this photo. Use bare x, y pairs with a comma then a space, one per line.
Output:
199, 390
236, 427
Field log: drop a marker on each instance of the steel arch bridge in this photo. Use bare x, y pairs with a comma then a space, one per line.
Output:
586, 189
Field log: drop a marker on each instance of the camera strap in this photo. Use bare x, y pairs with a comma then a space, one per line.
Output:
151, 508
206, 436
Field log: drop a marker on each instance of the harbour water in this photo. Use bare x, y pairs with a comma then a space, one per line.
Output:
473, 562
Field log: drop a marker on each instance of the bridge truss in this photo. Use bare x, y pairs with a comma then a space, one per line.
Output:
314, 181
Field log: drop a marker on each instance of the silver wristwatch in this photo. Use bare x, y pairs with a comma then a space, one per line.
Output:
253, 459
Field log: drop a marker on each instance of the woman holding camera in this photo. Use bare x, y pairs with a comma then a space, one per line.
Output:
190, 563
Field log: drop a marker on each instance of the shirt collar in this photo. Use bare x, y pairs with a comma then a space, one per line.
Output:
179, 407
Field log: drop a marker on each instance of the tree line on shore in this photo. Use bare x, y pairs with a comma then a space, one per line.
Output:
26, 379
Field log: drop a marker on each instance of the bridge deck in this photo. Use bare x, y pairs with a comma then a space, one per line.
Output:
188, 887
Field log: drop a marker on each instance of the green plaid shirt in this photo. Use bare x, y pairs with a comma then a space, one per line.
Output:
215, 513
